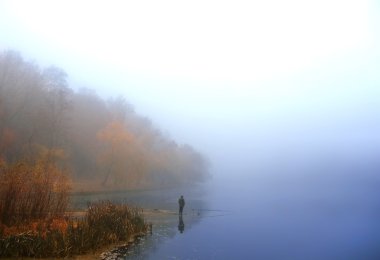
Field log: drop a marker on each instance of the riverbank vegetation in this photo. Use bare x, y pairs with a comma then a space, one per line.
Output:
55, 139
103, 224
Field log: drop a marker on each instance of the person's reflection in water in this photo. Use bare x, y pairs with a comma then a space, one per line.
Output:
181, 225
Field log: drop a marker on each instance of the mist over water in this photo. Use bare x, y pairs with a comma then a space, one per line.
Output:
307, 206
306, 189
282, 98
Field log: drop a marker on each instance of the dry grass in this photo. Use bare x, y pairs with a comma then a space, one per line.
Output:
32, 191
33, 202
103, 224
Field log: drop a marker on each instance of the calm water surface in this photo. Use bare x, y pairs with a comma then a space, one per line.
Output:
320, 217
290, 216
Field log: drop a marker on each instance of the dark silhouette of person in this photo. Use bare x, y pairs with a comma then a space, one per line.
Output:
181, 224
181, 203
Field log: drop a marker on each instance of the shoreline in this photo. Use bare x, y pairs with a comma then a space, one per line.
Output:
113, 251
76, 233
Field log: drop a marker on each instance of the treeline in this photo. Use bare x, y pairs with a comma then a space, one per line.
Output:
98, 143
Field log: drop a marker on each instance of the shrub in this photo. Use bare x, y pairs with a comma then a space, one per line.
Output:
104, 223
32, 191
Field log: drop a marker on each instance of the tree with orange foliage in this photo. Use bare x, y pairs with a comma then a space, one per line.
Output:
41, 114
122, 159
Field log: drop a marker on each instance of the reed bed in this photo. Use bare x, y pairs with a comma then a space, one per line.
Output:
104, 223
31, 191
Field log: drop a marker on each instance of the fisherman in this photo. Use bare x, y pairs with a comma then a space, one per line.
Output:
181, 202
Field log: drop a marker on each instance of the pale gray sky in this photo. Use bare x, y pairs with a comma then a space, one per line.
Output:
224, 76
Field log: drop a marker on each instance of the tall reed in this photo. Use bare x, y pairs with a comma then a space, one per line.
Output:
32, 191
104, 223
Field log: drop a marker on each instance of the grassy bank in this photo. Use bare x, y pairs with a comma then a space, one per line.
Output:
103, 224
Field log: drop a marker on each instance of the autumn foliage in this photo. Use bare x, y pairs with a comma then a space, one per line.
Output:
100, 144
104, 223
53, 138
31, 192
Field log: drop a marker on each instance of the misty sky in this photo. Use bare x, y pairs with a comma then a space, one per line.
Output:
236, 79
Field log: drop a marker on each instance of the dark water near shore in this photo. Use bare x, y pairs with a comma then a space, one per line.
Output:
334, 215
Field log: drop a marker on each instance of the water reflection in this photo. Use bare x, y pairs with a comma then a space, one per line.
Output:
168, 226
181, 224
160, 209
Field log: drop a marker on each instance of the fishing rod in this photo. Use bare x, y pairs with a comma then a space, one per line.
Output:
214, 216
217, 210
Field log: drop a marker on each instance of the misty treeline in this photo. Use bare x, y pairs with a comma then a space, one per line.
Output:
49, 131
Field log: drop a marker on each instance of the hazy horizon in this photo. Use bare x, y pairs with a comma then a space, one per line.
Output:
281, 96
245, 83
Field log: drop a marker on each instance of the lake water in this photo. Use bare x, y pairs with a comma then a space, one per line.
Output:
334, 215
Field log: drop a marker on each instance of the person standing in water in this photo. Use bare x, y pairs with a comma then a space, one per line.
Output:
181, 202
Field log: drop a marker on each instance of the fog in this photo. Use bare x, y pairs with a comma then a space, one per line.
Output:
260, 89
281, 97
297, 98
